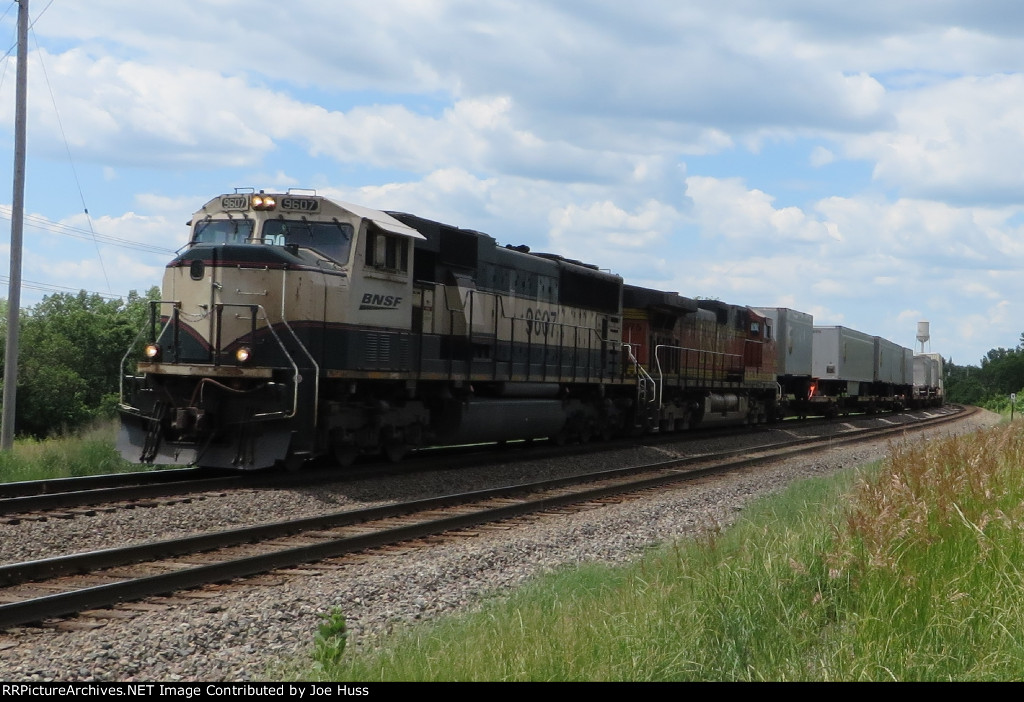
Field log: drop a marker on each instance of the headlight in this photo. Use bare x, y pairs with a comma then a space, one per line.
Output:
263, 202
152, 352
243, 354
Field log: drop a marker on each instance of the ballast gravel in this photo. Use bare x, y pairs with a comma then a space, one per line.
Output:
247, 630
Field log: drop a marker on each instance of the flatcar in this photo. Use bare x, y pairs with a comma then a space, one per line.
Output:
294, 326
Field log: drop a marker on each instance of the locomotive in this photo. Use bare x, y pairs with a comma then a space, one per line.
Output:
293, 326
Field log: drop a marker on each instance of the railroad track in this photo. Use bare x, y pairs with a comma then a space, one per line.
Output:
45, 498
41, 590
64, 498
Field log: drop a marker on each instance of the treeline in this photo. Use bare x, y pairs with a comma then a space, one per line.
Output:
1000, 373
69, 358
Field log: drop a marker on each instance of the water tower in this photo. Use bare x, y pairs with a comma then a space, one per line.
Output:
923, 334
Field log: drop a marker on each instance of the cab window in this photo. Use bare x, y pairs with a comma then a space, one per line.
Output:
223, 231
332, 239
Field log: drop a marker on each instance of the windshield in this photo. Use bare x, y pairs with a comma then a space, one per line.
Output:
332, 239
223, 231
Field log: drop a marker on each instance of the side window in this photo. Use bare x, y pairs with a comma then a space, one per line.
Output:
387, 252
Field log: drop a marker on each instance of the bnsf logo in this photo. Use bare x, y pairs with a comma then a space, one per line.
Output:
379, 302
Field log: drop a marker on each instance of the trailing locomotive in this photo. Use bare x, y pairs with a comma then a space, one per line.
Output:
293, 326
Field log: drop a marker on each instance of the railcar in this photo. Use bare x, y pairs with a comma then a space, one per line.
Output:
928, 380
293, 326
794, 334
831, 370
854, 371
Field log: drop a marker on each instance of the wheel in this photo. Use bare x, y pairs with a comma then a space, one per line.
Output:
586, 431
345, 455
292, 463
395, 450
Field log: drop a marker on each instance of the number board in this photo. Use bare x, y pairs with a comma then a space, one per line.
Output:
234, 202
300, 204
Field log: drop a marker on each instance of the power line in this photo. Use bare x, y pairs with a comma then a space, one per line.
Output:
76, 232
47, 287
71, 161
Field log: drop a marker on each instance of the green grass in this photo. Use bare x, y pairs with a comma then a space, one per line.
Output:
907, 570
89, 452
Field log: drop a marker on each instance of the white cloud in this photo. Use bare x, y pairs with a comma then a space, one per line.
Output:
606, 225
663, 139
960, 140
821, 156
929, 233
726, 208
120, 113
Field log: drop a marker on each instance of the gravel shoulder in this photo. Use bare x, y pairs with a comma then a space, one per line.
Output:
239, 632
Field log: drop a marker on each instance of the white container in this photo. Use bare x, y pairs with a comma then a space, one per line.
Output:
840, 353
794, 332
889, 361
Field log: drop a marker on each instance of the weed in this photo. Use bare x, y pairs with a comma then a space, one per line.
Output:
331, 637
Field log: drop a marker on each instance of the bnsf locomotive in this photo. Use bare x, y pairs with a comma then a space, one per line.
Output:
293, 326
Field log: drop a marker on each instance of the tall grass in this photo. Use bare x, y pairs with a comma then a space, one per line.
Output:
906, 570
932, 548
88, 452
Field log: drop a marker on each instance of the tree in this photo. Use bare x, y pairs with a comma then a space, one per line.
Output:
70, 358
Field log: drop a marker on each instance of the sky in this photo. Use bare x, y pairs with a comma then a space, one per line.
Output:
863, 162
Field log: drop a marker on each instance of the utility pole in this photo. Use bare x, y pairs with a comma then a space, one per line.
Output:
17, 221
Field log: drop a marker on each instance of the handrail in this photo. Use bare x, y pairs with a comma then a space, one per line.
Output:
149, 324
501, 313
316, 366
643, 379
504, 315
218, 313
291, 361
661, 375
